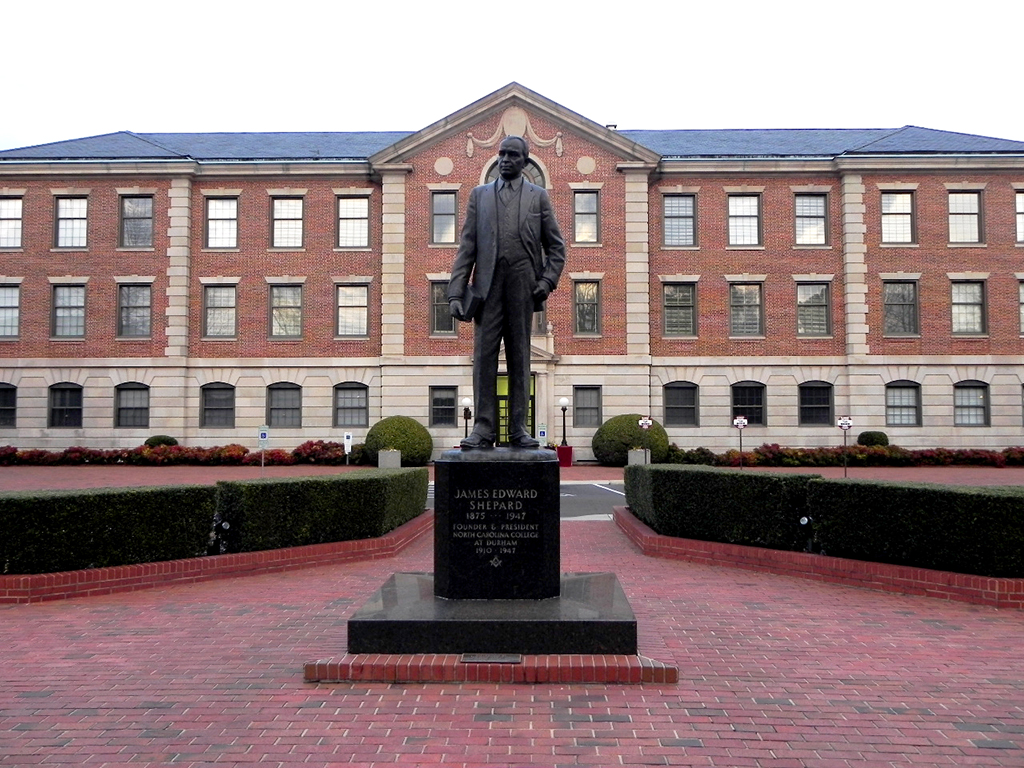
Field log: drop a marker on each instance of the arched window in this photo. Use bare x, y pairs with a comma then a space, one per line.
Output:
217, 405
815, 403
532, 173
970, 404
131, 405
681, 404
284, 405
351, 405
903, 404
65, 405
748, 399
8, 405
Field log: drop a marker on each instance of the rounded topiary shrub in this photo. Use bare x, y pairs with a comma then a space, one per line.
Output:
616, 436
155, 440
872, 438
400, 433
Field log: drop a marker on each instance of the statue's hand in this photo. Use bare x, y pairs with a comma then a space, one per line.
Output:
540, 293
455, 308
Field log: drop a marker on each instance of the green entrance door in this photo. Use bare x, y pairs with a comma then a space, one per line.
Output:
503, 409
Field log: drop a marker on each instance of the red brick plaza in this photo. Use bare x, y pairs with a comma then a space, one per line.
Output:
773, 671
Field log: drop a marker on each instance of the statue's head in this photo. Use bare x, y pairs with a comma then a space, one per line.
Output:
512, 155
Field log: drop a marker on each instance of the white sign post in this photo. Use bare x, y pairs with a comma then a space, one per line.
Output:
645, 423
264, 438
348, 445
845, 423
740, 422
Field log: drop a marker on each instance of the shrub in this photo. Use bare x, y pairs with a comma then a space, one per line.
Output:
401, 433
155, 440
872, 438
614, 438
320, 452
272, 456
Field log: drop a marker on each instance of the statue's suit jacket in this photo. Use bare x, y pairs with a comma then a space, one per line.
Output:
478, 247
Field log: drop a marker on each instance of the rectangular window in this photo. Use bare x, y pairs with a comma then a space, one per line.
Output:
134, 310
65, 406
1020, 217
10, 310
587, 310
899, 308
1020, 298
681, 405
136, 221
8, 405
353, 310
811, 219
586, 406
585, 218
970, 405
286, 311
132, 406
442, 218
351, 405
745, 310
812, 309
287, 222
217, 408
902, 405
680, 309
968, 308
441, 321
219, 315
965, 217
442, 407
10, 222
353, 222
72, 222
222, 222
898, 217
284, 405
680, 220
816, 404
748, 401
68, 311
744, 219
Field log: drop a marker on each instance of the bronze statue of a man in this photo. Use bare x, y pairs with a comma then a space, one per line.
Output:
514, 250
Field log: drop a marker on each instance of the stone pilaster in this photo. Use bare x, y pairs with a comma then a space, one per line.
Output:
638, 288
393, 260
855, 265
179, 260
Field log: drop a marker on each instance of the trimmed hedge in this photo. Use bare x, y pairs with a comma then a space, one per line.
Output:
614, 438
47, 531
402, 433
947, 528
273, 513
711, 504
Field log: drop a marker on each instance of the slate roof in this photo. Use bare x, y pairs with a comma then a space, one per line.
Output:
358, 146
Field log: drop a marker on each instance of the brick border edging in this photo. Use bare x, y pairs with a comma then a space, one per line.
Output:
33, 588
978, 590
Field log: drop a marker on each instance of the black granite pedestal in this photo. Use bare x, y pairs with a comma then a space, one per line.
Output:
497, 585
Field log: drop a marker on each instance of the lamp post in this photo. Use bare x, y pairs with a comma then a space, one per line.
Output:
564, 402
466, 413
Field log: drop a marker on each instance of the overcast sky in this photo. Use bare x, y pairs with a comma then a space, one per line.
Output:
79, 69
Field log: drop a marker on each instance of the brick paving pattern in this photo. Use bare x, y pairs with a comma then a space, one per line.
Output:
773, 671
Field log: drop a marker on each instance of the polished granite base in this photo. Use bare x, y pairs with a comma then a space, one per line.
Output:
591, 615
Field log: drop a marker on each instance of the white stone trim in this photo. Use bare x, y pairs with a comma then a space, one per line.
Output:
965, 186
68, 280
352, 280
445, 186
810, 189
896, 186
586, 185
745, 278
287, 192
899, 275
219, 280
134, 279
961, 276
679, 278
813, 278
220, 192
285, 279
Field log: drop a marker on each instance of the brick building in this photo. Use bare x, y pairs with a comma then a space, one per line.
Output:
203, 285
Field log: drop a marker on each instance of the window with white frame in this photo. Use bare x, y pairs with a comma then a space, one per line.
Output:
134, 310
748, 401
903, 404
351, 405
1020, 216
8, 405
353, 222
353, 310
965, 217
899, 308
286, 311
898, 217
68, 320
586, 406
681, 404
1020, 302
680, 220
968, 304
744, 220
284, 405
220, 311
136, 221
680, 309
746, 310
222, 222
970, 404
815, 403
442, 407
587, 306
586, 221
813, 316
65, 406
811, 219
442, 217
131, 405
72, 222
10, 222
10, 310
287, 222
217, 405
441, 321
